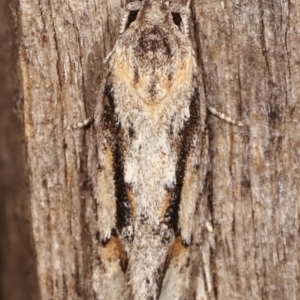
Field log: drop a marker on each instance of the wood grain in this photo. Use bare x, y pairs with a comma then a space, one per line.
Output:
246, 242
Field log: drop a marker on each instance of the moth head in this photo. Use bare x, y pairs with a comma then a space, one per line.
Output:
155, 12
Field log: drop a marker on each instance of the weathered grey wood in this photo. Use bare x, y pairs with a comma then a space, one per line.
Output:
248, 53
63, 46
246, 238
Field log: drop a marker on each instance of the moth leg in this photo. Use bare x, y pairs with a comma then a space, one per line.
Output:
80, 125
131, 6
222, 116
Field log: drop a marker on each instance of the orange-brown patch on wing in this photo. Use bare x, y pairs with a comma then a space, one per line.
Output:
113, 250
154, 103
183, 72
132, 201
122, 68
108, 156
177, 248
164, 204
124, 73
160, 92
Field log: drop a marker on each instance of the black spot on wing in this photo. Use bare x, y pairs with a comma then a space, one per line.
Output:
131, 132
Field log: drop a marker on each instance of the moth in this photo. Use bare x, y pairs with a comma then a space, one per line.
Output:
151, 143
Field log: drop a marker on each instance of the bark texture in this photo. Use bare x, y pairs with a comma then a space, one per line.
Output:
246, 238
248, 52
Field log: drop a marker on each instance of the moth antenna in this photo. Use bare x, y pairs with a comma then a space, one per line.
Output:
185, 22
124, 21
131, 6
184, 12
185, 17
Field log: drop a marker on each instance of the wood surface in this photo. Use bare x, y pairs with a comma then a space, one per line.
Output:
246, 242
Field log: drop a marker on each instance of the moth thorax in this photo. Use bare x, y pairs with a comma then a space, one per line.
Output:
155, 12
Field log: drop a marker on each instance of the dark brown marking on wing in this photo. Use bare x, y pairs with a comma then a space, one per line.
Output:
113, 126
171, 215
